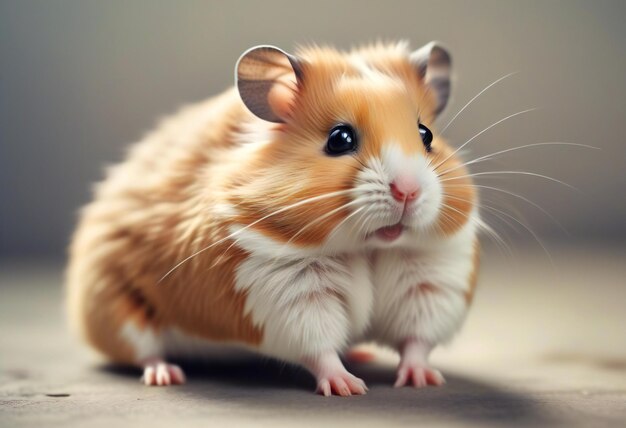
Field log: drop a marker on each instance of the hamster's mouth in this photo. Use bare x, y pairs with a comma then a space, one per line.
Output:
389, 233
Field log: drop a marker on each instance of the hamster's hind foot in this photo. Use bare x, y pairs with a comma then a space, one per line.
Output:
419, 376
414, 368
160, 373
357, 355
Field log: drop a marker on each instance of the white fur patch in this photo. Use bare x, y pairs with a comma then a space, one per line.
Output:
372, 190
306, 306
397, 163
145, 343
375, 76
309, 300
260, 244
173, 342
421, 292
370, 73
311, 304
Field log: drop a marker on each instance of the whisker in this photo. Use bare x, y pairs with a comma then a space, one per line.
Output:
495, 236
323, 217
444, 205
496, 213
482, 132
275, 259
480, 206
236, 240
489, 156
448, 220
479, 223
533, 234
363, 222
517, 196
476, 96
533, 174
281, 210
340, 224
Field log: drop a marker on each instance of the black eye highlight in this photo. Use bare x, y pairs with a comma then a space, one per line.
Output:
341, 140
427, 136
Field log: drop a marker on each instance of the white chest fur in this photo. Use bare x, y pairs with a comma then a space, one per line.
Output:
308, 303
421, 291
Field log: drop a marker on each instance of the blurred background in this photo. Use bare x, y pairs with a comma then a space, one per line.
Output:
81, 80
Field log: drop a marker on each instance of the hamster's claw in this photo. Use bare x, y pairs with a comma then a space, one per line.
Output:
343, 384
419, 376
160, 373
332, 377
414, 368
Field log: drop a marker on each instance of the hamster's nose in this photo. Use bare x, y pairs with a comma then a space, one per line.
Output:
404, 190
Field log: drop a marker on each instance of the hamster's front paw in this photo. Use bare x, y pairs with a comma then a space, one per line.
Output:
343, 383
160, 373
332, 377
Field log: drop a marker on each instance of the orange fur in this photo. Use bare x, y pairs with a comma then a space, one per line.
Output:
163, 203
295, 167
151, 212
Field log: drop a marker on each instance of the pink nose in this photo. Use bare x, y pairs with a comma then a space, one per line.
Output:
404, 190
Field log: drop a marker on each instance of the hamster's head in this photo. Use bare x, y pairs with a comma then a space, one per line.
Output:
348, 154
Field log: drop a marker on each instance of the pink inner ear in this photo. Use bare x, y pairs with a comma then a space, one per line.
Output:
281, 97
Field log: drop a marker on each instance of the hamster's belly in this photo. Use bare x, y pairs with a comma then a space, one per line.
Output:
281, 306
282, 302
270, 293
304, 293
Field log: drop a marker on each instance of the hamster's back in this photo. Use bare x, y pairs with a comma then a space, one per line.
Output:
137, 227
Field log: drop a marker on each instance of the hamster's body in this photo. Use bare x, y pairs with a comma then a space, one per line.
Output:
222, 229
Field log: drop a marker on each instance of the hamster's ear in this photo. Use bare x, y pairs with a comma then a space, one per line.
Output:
267, 80
433, 64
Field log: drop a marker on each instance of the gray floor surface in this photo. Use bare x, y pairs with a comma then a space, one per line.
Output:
544, 345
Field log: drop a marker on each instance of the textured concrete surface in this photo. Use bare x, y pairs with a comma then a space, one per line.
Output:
545, 345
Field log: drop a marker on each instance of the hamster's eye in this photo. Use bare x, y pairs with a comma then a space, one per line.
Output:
427, 136
341, 140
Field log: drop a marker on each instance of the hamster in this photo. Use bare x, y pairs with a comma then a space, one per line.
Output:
310, 207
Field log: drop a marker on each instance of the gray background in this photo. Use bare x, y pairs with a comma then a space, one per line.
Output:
543, 344
80, 80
